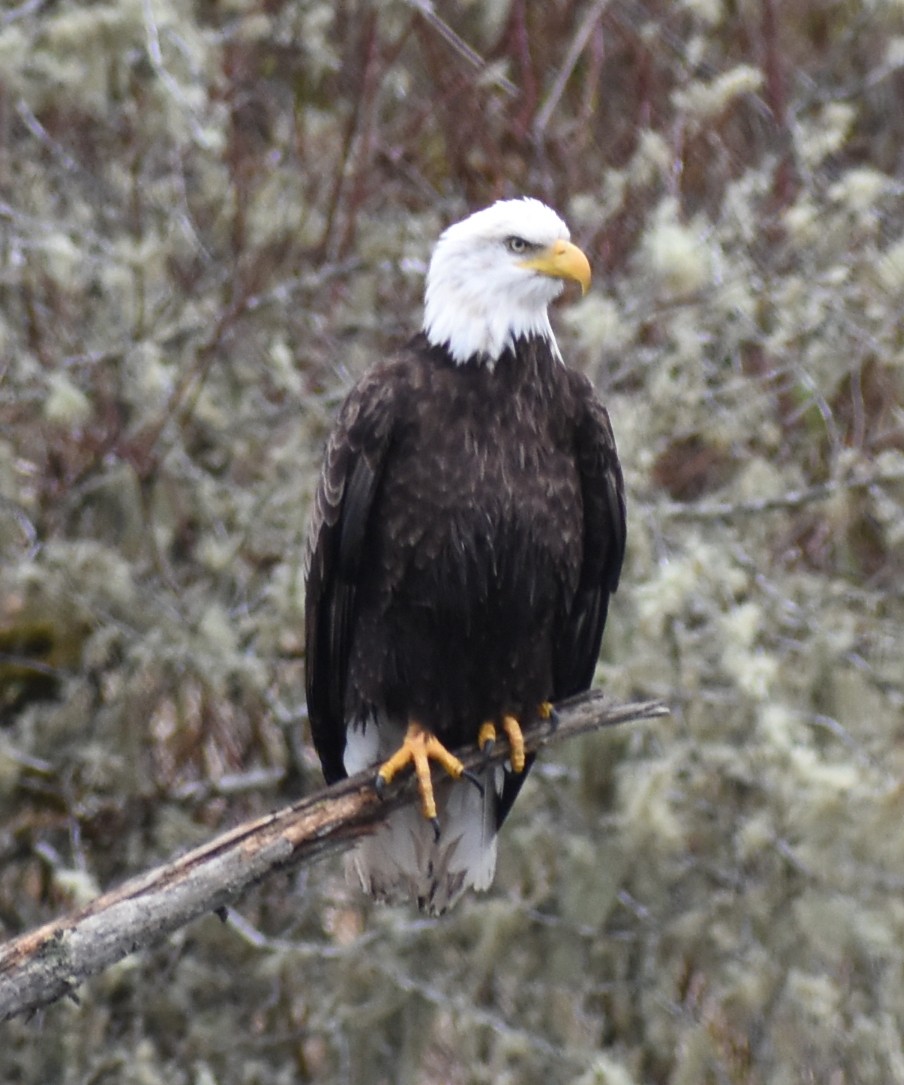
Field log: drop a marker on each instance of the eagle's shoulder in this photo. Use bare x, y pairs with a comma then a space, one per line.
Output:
360, 436
604, 484
359, 447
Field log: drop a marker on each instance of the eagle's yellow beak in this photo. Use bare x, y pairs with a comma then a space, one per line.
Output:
562, 260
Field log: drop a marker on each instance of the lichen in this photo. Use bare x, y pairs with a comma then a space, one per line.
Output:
214, 217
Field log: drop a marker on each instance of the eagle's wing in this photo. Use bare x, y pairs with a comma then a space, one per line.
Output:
352, 468
603, 502
603, 496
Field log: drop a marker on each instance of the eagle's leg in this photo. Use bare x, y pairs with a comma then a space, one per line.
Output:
420, 747
486, 740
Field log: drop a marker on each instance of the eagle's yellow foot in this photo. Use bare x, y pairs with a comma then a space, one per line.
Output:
486, 737
516, 741
486, 740
420, 747
547, 711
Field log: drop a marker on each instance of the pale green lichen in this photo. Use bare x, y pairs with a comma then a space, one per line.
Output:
890, 268
207, 237
860, 189
710, 12
677, 253
831, 128
66, 404
704, 100
605, 1071
597, 325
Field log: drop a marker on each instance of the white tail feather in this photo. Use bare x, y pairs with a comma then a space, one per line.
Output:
402, 861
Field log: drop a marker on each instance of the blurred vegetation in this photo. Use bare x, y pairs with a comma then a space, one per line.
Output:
213, 216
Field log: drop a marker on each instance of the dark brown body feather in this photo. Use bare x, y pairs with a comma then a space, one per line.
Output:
468, 530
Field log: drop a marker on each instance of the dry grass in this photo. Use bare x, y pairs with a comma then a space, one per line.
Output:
212, 217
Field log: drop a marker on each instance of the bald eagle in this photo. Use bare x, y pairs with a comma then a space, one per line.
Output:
467, 532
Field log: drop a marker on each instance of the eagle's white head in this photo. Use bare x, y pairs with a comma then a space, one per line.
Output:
493, 275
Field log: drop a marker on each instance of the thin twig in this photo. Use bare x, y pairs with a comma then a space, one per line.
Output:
461, 47
578, 44
793, 499
42, 966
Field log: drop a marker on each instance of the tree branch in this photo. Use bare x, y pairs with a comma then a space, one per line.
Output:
793, 499
41, 966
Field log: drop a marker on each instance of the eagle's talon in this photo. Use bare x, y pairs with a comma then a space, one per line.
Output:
512, 729
472, 778
380, 786
420, 747
546, 710
486, 738
436, 829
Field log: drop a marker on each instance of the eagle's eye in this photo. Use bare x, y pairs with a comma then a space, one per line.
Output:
517, 245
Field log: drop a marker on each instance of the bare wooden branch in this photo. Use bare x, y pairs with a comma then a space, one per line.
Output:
41, 966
